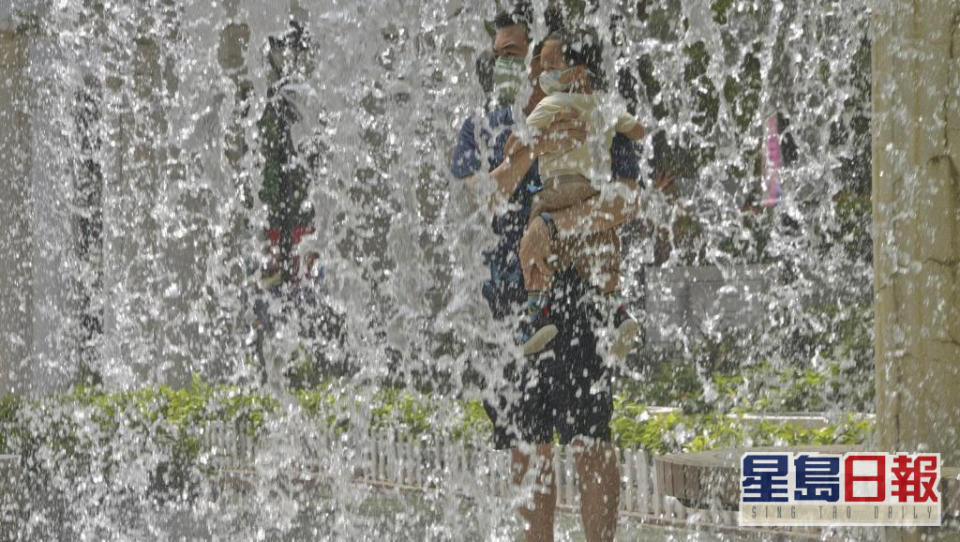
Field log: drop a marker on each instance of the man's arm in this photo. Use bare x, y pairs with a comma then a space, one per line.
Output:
465, 161
517, 159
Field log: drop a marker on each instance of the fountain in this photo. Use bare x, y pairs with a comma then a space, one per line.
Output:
239, 287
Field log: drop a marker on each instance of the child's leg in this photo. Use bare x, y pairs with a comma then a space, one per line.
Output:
535, 329
609, 262
626, 326
535, 252
599, 259
561, 196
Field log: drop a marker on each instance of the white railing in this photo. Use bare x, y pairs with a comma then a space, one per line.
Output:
9, 464
384, 460
457, 468
453, 466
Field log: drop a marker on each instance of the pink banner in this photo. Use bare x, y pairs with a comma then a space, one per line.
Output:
771, 162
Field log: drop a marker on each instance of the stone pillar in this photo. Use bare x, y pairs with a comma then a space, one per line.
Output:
916, 210
153, 275
232, 56
16, 299
50, 215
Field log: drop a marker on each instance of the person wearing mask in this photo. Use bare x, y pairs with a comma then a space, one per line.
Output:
566, 390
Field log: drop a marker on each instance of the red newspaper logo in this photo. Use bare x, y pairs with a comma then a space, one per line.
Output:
850, 489
878, 477
914, 478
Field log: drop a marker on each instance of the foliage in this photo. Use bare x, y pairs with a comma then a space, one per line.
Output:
413, 416
673, 432
706, 383
179, 408
392, 409
305, 371
88, 431
9, 409
719, 8
852, 231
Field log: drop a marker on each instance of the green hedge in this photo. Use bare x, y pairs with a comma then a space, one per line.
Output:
672, 432
87, 429
9, 408
174, 415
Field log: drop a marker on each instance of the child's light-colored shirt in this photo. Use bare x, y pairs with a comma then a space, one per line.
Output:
592, 159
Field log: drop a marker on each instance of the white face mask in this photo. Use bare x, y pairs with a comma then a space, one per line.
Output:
550, 81
508, 77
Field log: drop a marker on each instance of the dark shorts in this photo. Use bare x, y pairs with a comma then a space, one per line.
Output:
566, 389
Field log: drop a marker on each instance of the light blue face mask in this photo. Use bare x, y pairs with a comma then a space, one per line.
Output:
508, 73
550, 81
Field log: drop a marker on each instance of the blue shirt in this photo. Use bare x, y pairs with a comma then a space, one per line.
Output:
506, 279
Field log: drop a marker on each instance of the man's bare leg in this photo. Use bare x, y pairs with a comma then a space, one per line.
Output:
598, 472
539, 518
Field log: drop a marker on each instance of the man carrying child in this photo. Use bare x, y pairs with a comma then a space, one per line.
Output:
570, 64
568, 391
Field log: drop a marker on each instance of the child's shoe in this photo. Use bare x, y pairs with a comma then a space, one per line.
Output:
536, 331
626, 329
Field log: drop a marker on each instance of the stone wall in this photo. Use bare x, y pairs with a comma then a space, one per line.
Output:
15, 235
916, 190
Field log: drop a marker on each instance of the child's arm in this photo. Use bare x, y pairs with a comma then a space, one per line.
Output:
545, 112
629, 126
